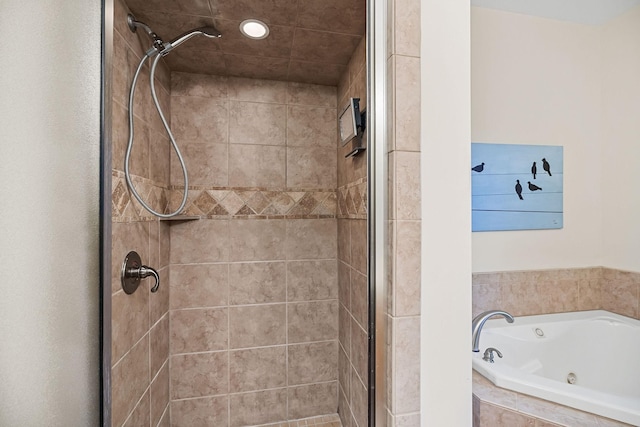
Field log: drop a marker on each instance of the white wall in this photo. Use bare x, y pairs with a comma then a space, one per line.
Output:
621, 141
538, 81
446, 219
49, 195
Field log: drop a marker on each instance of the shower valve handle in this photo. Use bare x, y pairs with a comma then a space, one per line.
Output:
133, 271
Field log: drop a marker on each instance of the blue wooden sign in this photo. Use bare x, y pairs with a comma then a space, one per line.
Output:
516, 187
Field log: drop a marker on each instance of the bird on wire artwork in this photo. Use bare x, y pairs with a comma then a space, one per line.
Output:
546, 166
533, 187
519, 189
507, 182
478, 168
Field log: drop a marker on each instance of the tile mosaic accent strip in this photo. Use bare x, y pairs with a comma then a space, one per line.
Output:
223, 202
352, 200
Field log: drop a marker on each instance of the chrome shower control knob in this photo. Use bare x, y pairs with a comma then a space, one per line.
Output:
133, 271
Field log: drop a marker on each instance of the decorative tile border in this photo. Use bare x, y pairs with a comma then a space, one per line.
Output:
352, 200
124, 208
221, 202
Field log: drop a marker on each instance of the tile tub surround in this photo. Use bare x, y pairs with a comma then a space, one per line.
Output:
523, 293
497, 407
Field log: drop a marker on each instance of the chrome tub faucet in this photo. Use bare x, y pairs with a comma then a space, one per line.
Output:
478, 323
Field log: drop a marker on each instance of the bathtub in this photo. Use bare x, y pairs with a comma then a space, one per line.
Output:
597, 351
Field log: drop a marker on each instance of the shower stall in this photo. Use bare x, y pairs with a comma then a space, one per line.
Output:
257, 219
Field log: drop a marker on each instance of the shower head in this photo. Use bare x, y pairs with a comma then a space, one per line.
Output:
206, 31
159, 46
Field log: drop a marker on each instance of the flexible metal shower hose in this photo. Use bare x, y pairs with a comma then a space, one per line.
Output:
166, 126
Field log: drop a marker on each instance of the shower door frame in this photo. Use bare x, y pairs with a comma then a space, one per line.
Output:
105, 211
377, 210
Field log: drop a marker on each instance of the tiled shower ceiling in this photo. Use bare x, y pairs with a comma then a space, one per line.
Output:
310, 41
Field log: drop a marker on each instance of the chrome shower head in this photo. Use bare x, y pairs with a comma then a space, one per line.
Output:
206, 31
159, 46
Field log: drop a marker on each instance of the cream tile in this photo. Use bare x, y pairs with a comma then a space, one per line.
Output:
406, 193
312, 363
257, 325
311, 127
199, 285
406, 365
129, 379
192, 242
485, 297
407, 103
207, 164
257, 240
359, 401
311, 239
197, 330
257, 369
359, 298
312, 321
496, 416
344, 411
359, 245
256, 166
140, 416
258, 408
257, 123
203, 85
344, 330
312, 280
311, 167
310, 94
257, 90
313, 399
200, 120
129, 321
198, 375
159, 394
344, 285
407, 27
406, 274
159, 344
344, 371
203, 412
344, 240
256, 283
359, 351
560, 414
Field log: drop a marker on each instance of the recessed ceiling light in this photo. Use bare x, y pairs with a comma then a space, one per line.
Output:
254, 29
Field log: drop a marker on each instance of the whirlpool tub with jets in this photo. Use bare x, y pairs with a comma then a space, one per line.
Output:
587, 360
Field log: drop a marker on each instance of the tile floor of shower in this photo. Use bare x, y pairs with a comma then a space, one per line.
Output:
321, 421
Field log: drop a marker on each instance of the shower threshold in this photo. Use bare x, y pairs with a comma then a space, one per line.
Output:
321, 421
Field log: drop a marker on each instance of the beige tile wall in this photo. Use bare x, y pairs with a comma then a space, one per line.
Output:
352, 259
523, 293
403, 124
254, 289
140, 322
494, 406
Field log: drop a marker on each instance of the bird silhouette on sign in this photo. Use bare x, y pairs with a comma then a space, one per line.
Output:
534, 170
533, 187
519, 189
546, 166
478, 168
